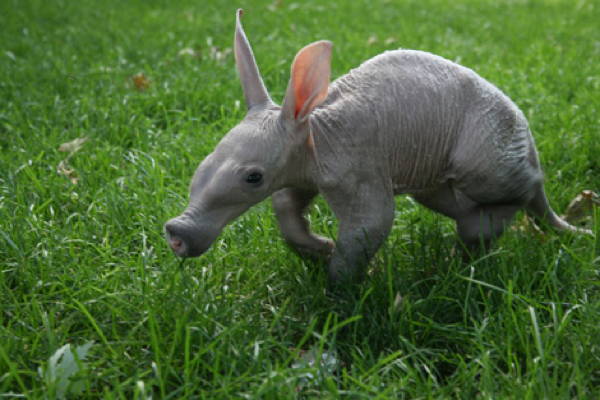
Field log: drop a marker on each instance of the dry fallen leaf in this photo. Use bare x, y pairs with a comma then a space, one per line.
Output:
140, 81
74, 145
65, 169
215, 52
219, 55
397, 301
372, 40
71, 147
188, 52
325, 364
581, 207
527, 225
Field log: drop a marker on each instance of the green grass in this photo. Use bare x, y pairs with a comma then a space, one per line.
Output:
87, 261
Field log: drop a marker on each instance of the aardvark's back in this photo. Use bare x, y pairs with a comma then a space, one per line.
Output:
424, 120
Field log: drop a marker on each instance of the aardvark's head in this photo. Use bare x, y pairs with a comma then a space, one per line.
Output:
258, 156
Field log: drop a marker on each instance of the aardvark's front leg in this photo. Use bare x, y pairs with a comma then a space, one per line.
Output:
290, 206
366, 214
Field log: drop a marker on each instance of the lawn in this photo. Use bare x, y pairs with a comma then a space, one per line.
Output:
150, 87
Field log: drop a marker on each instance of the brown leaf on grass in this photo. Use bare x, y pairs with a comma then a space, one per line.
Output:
372, 40
389, 41
581, 208
65, 169
140, 81
218, 54
188, 52
73, 146
397, 301
215, 52
527, 225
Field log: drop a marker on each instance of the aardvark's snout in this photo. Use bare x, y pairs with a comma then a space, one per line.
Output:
186, 238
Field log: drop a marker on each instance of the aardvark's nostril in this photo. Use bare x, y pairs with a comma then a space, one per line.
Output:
175, 243
173, 237
185, 237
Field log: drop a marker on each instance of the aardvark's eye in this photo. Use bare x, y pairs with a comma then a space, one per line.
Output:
254, 178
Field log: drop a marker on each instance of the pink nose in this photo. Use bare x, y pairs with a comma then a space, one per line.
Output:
175, 243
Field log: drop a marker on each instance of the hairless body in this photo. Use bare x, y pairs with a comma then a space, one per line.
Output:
404, 122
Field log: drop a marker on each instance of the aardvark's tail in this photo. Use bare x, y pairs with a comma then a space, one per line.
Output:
540, 208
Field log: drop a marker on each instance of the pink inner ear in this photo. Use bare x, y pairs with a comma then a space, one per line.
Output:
310, 77
301, 88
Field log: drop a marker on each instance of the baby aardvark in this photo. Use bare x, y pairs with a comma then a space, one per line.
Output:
404, 122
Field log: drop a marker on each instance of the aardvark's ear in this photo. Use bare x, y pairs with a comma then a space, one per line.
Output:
309, 81
254, 89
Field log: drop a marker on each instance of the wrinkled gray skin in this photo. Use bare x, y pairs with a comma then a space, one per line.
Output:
404, 122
